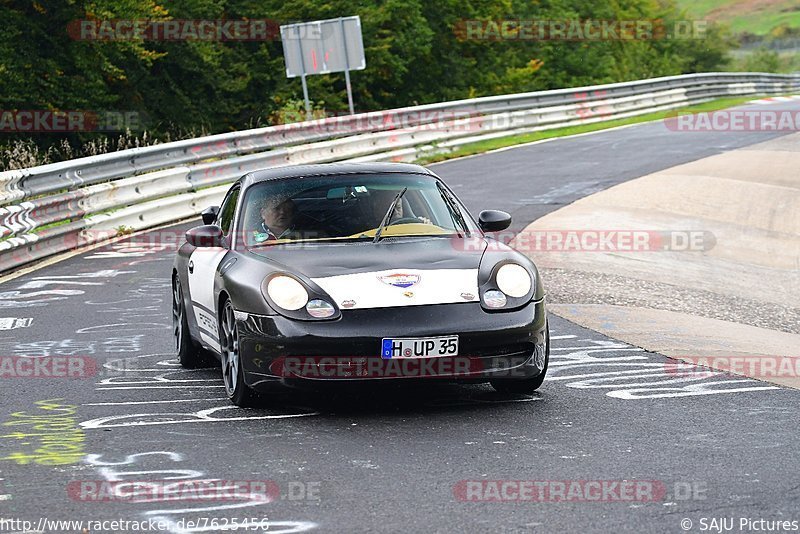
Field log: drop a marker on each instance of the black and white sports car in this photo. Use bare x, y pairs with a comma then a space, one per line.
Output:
355, 272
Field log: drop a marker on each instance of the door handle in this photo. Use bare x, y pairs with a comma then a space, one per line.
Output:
227, 265
191, 267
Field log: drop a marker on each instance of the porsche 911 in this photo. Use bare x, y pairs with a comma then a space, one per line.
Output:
343, 273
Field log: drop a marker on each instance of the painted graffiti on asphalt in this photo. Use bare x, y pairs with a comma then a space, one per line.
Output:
38, 291
12, 323
151, 466
54, 431
629, 373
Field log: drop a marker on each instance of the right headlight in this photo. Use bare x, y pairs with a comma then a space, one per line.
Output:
287, 292
321, 309
514, 280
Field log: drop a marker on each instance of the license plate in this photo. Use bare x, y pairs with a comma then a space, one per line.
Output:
419, 347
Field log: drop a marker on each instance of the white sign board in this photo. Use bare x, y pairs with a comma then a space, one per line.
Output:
323, 46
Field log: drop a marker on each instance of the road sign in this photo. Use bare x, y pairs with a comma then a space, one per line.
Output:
323, 47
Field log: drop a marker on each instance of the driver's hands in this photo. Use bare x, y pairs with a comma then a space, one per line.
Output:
424, 220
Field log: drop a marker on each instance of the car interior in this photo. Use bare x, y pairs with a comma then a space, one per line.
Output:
346, 211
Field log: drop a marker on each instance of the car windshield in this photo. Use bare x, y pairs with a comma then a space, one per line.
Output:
350, 207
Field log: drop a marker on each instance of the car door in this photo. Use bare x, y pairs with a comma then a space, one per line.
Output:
203, 268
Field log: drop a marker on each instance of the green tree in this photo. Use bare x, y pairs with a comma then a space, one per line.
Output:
416, 53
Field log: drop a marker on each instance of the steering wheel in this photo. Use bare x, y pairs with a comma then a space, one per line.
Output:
405, 220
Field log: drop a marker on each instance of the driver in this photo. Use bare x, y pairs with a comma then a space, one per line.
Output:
278, 218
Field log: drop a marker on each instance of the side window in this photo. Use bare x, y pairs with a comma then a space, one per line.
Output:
227, 211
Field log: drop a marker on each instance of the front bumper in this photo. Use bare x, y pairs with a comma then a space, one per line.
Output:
491, 345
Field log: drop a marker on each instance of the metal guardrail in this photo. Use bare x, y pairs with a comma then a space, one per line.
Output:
52, 208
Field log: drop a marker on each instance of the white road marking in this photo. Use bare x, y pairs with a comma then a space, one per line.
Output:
202, 416
643, 376
166, 401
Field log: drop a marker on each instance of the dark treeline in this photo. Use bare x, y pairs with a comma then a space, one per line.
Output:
414, 55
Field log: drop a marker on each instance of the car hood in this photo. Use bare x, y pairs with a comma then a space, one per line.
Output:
393, 272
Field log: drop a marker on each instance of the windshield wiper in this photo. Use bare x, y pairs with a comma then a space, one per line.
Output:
455, 213
388, 216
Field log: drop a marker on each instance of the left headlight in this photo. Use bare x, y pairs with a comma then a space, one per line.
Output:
514, 280
287, 292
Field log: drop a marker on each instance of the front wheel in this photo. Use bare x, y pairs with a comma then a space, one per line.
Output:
526, 386
238, 392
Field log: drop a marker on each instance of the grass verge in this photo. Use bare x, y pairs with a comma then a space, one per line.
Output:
492, 144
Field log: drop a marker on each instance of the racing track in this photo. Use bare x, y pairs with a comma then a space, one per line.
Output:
390, 461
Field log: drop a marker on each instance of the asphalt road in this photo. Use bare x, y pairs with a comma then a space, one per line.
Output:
533, 180
411, 459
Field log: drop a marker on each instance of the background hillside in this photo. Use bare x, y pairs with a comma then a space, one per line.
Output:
414, 53
759, 17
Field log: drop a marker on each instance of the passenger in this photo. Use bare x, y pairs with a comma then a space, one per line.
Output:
382, 199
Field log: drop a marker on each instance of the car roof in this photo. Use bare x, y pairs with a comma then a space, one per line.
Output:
300, 171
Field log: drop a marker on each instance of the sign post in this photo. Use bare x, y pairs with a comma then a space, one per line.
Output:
323, 47
303, 76
347, 67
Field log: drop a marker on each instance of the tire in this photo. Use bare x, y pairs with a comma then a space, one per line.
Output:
238, 392
190, 354
526, 386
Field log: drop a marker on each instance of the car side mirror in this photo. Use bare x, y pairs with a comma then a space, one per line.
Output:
494, 220
210, 214
204, 236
